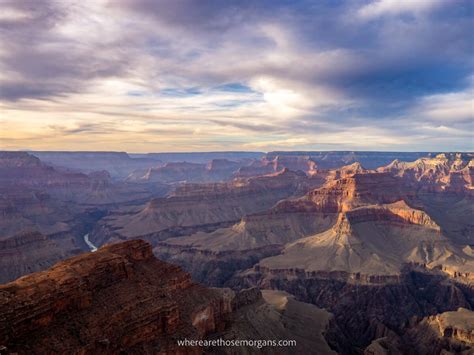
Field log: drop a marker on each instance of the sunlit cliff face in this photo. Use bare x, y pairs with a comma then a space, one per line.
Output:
196, 76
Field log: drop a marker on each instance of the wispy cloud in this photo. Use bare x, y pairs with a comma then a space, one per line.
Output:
379, 8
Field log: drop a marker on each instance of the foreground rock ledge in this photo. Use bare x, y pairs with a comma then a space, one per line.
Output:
119, 298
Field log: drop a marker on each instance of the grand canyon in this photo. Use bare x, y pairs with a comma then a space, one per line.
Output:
236, 177
345, 257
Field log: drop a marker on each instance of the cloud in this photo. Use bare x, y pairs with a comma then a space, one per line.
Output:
456, 107
166, 75
378, 8
47, 52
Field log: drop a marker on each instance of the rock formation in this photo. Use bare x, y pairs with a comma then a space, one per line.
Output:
214, 170
278, 163
121, 299
376, 234
118, 299
445, 172
213, 257
458, 325
55, 204
337, 159
22, 171
389, 252
276, 316
445, 333
375, 240
194, 207
345, 171
118, 164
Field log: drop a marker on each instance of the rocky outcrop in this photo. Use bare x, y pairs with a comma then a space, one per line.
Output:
450, 172
358, 190
458, 325
119, 298
392, 213
376, 240
350, 192
346, 171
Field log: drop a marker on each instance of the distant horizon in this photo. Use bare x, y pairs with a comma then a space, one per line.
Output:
238, 151
156, 76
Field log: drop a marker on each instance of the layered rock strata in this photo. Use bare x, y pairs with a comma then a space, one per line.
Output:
119, 298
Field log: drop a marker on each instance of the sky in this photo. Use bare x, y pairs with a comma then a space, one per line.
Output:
201, 75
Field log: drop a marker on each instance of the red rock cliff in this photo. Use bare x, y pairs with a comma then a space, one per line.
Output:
118, 299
